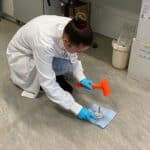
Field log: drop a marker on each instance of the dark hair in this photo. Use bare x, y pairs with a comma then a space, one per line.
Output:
79, 31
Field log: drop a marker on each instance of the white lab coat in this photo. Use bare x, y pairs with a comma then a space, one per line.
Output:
30, 54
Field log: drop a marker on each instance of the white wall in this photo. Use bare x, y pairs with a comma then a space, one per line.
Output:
108, 16
7, 7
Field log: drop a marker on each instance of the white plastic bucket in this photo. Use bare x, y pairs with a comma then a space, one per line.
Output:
120, 55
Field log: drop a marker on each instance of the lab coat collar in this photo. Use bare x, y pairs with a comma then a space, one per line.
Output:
61, 43
60, 30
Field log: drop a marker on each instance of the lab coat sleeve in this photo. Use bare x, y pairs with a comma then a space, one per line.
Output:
43, 60
78, 71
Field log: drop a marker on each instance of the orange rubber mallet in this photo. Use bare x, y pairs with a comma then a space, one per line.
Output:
103, 85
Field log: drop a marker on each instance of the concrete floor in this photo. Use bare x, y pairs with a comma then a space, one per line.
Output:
41, 125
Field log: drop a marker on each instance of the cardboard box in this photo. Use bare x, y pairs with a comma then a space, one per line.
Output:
139, 64
84, 7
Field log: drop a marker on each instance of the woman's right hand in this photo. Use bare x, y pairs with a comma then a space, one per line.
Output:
86, 114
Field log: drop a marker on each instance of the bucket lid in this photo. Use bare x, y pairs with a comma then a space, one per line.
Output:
119, 47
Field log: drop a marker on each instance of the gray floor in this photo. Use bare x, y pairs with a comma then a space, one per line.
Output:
41, 125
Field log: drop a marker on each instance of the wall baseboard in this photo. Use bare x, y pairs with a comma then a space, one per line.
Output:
12, 19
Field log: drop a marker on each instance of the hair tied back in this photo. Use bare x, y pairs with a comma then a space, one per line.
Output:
80, 20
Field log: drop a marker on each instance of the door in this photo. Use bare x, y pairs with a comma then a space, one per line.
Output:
7, 7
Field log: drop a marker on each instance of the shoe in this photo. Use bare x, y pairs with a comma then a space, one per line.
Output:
41, 89
64, 84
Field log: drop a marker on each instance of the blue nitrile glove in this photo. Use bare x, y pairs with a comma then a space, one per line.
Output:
86, 114
87, 83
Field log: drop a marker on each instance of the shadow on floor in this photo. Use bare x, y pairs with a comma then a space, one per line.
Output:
104, 50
